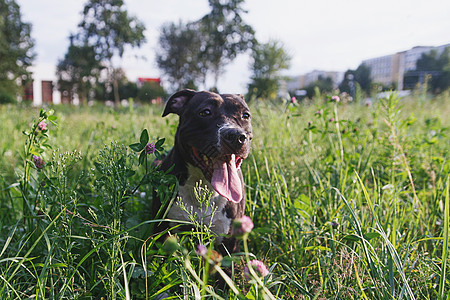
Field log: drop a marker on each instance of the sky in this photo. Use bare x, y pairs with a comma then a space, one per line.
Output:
330, 35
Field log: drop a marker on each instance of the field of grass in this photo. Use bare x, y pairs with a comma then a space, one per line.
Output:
348, 201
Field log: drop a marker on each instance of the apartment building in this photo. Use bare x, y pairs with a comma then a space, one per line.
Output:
390, 69
387, 70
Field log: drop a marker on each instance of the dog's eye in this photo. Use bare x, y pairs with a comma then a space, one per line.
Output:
245, 116
205, 113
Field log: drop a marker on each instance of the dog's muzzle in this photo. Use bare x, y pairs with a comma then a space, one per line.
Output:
223, 166
233, 138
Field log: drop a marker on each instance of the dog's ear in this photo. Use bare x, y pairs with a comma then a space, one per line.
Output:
176, 102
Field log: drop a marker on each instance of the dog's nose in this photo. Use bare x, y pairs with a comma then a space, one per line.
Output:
235, 137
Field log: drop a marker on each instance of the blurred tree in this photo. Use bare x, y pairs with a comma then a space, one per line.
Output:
128, 90
324, 84
224, 34
268, 60
150, 91
178, 55
16, 51
360, 76
78, 72
434, 64
108, 28
104, 90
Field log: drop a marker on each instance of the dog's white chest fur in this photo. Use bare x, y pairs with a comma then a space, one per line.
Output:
220, 222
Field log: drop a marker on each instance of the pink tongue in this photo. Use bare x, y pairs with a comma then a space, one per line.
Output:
226, 181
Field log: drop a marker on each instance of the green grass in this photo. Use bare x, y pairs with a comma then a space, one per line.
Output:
349, 202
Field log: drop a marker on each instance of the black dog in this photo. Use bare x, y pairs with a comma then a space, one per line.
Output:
212, 139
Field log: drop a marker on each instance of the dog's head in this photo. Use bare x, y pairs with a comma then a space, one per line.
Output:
214, 134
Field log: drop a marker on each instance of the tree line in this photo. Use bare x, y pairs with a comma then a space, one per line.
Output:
188, 52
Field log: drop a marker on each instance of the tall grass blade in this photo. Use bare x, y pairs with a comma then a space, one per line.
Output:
445, 246
394, 254
25, 257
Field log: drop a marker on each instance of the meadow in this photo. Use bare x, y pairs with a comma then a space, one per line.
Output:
348, 201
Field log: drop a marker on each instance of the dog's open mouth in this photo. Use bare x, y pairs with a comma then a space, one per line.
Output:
222, 172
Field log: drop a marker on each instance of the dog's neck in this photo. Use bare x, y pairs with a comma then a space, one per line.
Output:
214, 208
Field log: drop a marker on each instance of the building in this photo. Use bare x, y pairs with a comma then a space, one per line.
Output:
390, 69
300, 82
41, 92
142, 80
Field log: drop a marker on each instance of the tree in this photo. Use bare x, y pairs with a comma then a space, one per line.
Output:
268, 60
150, 91
324, 85
225, 35
178, 55
360, 76
78, 71
108, 28
104, 91
434, 64
16, 50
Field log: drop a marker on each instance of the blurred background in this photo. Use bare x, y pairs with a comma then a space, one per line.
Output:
112, 51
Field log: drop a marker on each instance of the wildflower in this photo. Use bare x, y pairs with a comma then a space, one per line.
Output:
258, 266
335, 99
202, 250
150, 148
334, 224
294, 100
42, 126
213, 257
38, 162
331, 120
242, 226
309, 124
319, 112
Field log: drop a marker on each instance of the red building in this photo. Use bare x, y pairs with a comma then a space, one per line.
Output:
142, 80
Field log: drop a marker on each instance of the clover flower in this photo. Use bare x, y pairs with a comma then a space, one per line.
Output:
201, 250
258, 266
150, 148
213, 257
42, 126
242, 226
38, 162
294, 100
335, 99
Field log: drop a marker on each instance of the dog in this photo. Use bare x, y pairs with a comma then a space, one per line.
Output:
213, 137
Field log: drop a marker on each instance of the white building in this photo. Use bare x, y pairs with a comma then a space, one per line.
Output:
390, 69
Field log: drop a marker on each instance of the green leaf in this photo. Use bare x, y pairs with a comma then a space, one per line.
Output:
52, 118
159, 143
144, 138
157, 154
352, 237
137, 147
142, 157
370, 235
